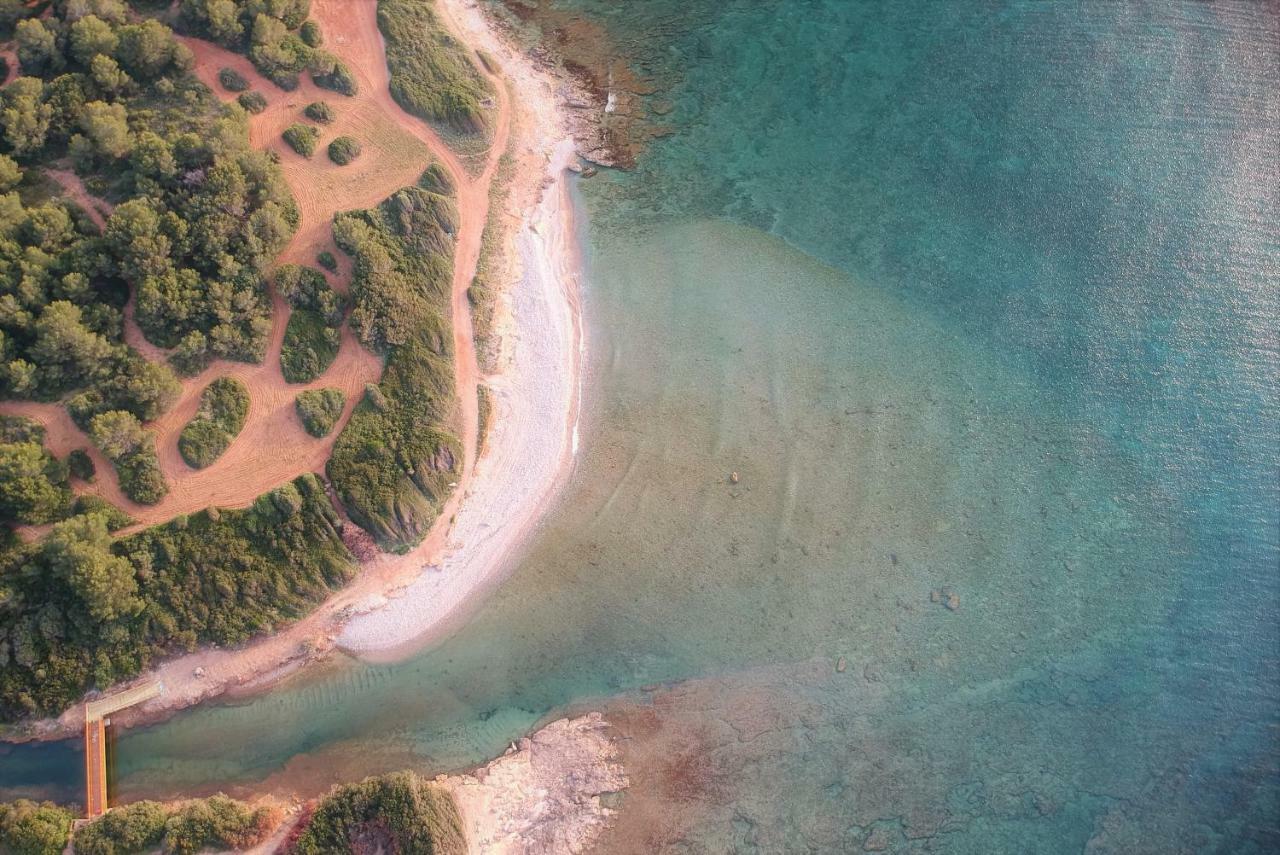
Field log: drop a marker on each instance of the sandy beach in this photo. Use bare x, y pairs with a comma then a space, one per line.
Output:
399, 603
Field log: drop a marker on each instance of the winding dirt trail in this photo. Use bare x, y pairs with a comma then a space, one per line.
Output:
273, 447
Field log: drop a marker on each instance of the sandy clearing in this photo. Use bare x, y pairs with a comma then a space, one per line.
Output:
10, 54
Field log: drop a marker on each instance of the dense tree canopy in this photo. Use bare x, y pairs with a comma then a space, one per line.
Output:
81, 610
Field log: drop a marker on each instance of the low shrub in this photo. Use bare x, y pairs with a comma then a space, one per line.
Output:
319, 111
232, 80
319, 410
254, 102
329, 72
326, 260
343, 150
302, 139
224, 405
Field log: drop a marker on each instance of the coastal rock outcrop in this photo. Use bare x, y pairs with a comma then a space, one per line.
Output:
550, 795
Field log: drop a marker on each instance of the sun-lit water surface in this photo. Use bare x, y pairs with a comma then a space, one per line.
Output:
979, 299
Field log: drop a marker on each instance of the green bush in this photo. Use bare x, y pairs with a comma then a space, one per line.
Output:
310, 33
217, 822
319, 410
232, 80
326, 260
319, 111
309, 348
81, 465
343, 150
302, 139
419, 818
34, 828
255, 102
329, 72
133, 828
224, 406
431, 73
133, 451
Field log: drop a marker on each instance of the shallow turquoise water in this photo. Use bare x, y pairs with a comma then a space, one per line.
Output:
974, 296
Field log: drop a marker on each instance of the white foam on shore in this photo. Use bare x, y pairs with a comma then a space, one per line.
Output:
532, 438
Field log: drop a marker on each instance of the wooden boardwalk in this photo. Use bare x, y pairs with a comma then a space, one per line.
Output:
95, 742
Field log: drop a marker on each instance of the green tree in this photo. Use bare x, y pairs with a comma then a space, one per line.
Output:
10, 173
79, 550
117, 433
148, 49
26, 493
108, 75
134, 235
25, 117
31, 828
112, 11
107, 125
68, 352
223, 22
91, 36
37, 47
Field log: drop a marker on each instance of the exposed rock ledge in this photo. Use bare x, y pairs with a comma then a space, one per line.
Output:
548, 795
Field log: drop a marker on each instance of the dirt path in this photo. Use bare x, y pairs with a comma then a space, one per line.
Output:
273, 447
76, 192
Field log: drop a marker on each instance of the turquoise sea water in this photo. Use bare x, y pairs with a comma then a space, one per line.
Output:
976, 297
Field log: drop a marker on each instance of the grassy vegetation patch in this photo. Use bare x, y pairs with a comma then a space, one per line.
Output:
319, 111
310, 346
224, 406
399, 812
395, 460
319, 410
302, 139
83, 610
343, 150
311, 339
431, 73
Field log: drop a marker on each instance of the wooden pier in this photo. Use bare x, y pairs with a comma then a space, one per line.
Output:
95, 742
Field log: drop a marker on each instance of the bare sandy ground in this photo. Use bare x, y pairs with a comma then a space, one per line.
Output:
400, 602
